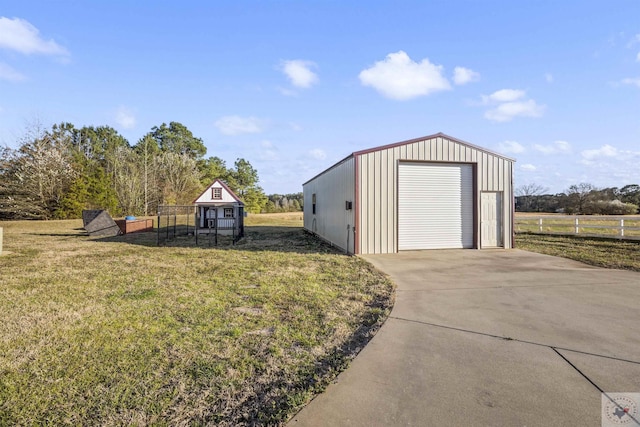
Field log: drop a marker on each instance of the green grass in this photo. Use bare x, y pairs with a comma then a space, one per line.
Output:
602, 252
118, 331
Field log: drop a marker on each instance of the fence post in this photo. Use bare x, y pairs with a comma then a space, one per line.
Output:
621, 228
577, 228
175, 224
540, 225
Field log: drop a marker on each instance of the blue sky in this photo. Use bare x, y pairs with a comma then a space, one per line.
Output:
295, 86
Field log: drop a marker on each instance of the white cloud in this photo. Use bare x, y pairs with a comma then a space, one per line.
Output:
528, 167
287, 92
631, 81
635, 39
556, 147
318, 154
511, 147
507, 111
299, 72
611, 164
268, 152
235, 125
604, 151
510, 103
19, 35
399, 77
638, 57
8, 73
125, 118
548, 77
462, 75
503, 95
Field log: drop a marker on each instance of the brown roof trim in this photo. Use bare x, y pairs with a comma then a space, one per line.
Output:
356, 208
225, 186
437, 135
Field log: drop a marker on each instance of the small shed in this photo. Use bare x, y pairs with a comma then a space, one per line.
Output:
219, 211
433, 192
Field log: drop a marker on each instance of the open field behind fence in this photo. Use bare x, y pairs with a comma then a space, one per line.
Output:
619, 227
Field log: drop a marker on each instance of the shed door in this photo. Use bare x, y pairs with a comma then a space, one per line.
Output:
491, 219
435, 206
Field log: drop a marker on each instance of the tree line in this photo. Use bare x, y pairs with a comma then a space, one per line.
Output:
58, 172
293, 202
580, 199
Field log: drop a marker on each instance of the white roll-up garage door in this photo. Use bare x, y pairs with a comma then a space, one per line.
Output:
435, 206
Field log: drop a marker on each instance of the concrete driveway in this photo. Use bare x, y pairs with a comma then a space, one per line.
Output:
491, 338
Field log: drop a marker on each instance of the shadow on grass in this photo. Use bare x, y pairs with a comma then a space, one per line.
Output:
58, 234
256, 238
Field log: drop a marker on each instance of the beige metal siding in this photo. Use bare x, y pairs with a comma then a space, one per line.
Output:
332, 221
377, 180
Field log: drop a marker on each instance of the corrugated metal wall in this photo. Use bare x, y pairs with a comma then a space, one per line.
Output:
377, 180
332, 221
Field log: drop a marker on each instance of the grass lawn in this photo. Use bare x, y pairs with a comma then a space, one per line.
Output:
117, 331
603, 252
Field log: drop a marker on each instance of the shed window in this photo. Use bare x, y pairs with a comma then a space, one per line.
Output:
216, 193
228, 212
313, 203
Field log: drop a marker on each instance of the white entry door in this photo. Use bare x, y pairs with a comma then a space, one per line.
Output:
491, 220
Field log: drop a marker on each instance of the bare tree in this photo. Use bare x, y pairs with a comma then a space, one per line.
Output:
578, 196
179, 177
128, 180
42, 169
528, 195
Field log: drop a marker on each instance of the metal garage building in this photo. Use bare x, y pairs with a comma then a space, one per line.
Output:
434, 192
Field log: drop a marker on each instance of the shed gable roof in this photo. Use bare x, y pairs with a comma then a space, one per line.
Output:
411, 141
437, 135
228, 196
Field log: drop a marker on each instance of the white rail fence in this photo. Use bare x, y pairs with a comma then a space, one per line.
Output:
618, 227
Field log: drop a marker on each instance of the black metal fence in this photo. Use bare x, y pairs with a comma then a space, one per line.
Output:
212, 230
175, 221
183, 221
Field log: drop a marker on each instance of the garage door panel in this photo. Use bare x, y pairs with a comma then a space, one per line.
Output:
435, 206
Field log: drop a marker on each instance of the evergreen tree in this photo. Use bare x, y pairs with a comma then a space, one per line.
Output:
243, 180
213, 168
177, 139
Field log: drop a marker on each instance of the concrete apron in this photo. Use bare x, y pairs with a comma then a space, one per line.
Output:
492, 337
